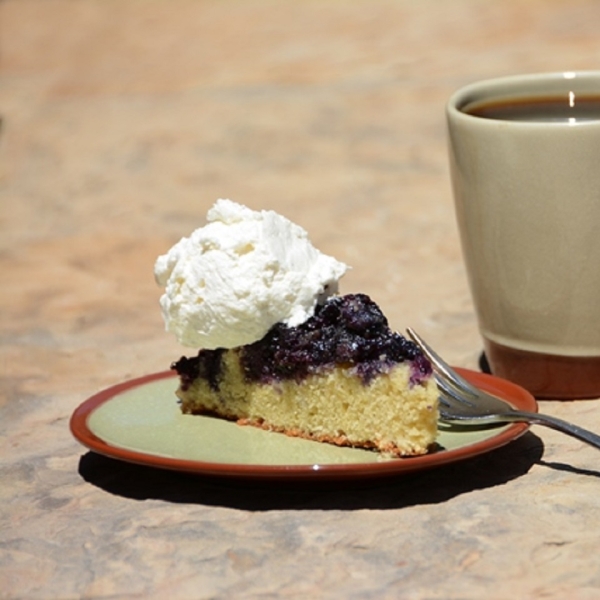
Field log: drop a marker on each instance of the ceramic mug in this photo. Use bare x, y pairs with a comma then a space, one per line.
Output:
525, 167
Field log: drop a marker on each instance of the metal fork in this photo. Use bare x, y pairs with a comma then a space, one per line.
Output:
461, 402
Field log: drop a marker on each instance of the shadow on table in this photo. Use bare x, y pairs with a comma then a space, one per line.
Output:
430, 486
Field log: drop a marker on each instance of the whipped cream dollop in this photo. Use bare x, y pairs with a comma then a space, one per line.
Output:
233, 279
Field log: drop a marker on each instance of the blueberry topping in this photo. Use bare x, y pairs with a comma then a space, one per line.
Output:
207, 365
349, 331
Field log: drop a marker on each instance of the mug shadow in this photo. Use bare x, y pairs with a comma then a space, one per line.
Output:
431, 486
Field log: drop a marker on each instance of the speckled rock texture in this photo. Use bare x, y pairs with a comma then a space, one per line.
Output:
122, 122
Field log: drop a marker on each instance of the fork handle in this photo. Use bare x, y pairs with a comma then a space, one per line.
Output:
558, 424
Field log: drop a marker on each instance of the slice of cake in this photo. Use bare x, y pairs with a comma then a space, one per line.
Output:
341, 377
280, 350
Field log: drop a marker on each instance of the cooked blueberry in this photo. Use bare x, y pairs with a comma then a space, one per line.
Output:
206, 365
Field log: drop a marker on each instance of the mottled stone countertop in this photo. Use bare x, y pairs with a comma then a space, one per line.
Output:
122, 122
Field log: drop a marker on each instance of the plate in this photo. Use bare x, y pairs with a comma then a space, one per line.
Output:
139, 421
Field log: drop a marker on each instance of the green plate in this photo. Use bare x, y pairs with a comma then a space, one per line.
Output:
140, 421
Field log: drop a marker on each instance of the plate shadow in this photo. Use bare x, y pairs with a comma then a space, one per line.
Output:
431, 486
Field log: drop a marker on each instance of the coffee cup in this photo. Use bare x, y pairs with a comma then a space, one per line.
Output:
525, 167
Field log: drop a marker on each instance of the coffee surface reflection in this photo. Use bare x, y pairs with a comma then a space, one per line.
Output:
549, 109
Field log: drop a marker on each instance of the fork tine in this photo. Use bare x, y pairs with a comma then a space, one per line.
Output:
442, 367
449, 409
453, 407
445, 404
451, 395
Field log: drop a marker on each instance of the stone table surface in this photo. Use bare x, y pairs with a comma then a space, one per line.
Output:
122, 122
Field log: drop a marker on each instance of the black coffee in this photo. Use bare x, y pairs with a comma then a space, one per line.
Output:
559, 109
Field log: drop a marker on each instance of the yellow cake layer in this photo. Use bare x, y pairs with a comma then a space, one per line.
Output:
387, 414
